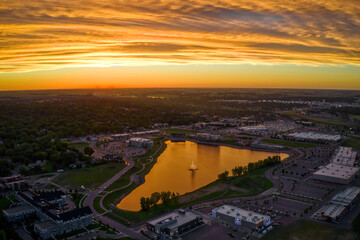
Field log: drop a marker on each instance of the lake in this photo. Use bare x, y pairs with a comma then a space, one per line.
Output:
171, 172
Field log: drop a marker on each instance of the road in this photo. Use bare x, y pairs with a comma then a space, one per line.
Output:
92, 195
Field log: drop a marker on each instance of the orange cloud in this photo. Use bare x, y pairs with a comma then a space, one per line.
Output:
47, 34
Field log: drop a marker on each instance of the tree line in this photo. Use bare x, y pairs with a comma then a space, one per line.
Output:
241, 170
165, 196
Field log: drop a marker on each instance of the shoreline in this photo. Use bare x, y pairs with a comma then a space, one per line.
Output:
289, 151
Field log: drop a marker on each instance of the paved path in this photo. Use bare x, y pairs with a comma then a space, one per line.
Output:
91, 196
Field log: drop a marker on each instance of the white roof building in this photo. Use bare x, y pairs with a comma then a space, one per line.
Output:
336, 173
346, 197
313, 136
344, 156
241, 217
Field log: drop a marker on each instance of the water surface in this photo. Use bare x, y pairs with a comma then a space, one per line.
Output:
171, 172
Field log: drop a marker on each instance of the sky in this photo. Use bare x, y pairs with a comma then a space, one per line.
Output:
48, 44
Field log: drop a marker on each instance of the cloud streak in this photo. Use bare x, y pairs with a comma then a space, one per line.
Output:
47, 34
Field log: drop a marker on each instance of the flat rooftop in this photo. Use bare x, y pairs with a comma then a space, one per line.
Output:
176, 218
337, 171
332, 210
315, 136
344, 156
346, 197
46, 225
243, 214
18, 209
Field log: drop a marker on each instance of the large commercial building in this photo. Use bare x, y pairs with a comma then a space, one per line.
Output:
344, 156
257, 129
347, 197
339, 205
313, 137
174, 224
236, 217
140, 142
336, 173
331, 212
341, 168
54, 221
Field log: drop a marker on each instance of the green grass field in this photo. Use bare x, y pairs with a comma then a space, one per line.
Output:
306, 230
289, 144
78, 146
353, 142
91, 177
253, 183
356, 117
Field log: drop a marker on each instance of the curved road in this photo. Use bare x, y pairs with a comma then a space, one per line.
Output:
92, 195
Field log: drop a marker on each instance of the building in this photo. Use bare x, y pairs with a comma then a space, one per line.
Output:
331, 212
113, 158
257, 129
54, 221
56, 198
174, 224
208, 137
347, 197
201, 125
336, 173
344, 156
140, 142
313, 137
18, 213
236, 217
339, 205
12, 183
160, 125
145, 133
122, 136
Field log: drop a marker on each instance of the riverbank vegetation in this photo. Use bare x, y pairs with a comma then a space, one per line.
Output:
152, 201
251, 183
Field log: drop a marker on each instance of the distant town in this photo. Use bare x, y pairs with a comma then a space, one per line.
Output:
71, 159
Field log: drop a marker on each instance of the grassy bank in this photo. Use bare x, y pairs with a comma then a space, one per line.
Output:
246, 185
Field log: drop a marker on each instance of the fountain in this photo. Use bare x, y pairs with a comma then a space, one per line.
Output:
193, 167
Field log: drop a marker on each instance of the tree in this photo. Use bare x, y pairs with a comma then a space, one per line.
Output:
165, 197
4, 167
223, 175
143, 203
88, 151
23, 169
155, 198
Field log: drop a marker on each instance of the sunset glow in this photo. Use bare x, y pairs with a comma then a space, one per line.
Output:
80, 44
